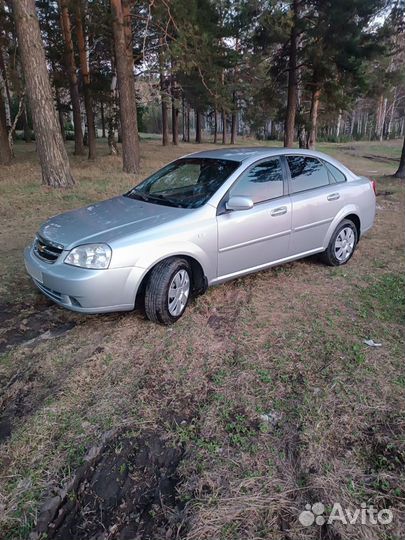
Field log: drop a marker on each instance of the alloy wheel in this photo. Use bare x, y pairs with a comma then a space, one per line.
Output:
344, 244
179, 291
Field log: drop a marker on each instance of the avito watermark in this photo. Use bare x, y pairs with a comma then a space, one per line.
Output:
314, 514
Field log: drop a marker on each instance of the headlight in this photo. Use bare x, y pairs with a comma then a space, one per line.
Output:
95, 256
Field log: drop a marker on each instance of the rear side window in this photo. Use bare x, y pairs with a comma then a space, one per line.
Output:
335, 174
261, 182
306, 173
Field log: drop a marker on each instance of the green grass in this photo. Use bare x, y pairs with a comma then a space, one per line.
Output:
384, 298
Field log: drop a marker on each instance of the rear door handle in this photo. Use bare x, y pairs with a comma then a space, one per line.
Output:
333, 196
281, 210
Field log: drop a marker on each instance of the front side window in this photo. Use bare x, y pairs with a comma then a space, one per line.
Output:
261, 182
306, 173
185, 183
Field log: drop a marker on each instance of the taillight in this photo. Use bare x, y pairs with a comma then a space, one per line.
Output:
374, 184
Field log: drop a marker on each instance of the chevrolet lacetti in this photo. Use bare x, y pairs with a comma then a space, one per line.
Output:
201, 220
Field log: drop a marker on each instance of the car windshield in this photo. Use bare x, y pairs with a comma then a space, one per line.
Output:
185, 183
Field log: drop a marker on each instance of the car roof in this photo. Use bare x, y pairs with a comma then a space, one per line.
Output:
241, 153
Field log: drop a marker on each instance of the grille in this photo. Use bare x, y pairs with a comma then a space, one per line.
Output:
46, 250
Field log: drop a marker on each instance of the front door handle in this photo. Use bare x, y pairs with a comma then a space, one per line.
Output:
333, 197
281, 210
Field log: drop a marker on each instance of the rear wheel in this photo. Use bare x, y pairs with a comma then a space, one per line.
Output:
168, 291
342, 244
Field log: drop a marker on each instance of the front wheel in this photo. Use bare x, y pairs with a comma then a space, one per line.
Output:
168, 291
342, 244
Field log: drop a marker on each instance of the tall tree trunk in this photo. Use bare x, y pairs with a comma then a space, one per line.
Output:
102, 119
401, 169
339, 124
215, 126
60, 113
113, 112
366, 125
127, 5
301, 128
292, 81
12, 129
175, 122
234, 127
163, 94
84, 68
59, 106
165, 120
188, 123
5, 149
183, 117
383, 115
313, 115
26, 127
197, 126
70, 65
223, 115
379, 118
126, 86
49, 143
175, 110
352, 122
359, 123
4, 85
302, 136
234, 120
268, 129
392, 113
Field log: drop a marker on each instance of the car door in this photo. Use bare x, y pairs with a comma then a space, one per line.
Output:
248, 239
316, 199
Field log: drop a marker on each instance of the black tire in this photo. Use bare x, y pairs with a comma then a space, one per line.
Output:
329, 256
157, 290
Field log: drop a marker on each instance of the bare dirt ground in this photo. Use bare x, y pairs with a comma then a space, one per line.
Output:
262, 399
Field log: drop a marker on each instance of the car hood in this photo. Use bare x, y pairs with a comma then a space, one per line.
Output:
107, 220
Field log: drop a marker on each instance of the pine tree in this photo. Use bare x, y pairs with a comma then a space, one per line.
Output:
126, 86
335, 46
401, 169
70, 64
163, 92
51, 150
5, 150
292, 94
85, 72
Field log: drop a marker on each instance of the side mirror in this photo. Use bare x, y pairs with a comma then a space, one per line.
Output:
239, 203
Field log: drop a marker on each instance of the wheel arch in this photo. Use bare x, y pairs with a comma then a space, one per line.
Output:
351, 212
356, 220
198, 277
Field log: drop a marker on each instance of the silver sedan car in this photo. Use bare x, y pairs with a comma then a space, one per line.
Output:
203, 219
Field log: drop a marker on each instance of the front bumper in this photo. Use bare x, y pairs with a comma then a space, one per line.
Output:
84, 290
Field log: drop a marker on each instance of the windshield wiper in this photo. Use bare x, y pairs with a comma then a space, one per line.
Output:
158, 199
137, 195
165, 200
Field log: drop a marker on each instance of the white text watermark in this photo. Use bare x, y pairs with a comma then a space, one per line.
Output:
315, 515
